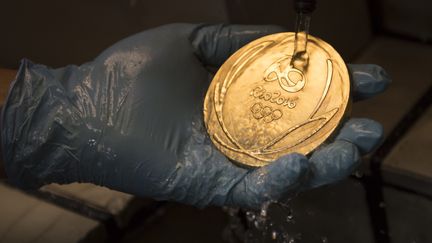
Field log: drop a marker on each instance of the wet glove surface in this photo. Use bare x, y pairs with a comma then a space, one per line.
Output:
131, 120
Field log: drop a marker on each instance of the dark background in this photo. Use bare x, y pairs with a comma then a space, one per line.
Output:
74, 31
390, 200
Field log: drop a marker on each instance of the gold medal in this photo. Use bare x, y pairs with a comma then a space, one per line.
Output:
260, 107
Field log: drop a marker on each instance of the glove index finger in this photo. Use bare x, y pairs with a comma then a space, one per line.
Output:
213, 44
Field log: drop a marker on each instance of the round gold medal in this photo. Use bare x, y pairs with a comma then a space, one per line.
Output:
260, 107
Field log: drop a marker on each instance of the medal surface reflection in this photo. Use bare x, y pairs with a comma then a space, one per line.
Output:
260, 107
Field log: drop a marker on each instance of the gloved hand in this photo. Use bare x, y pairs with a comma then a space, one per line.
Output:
131, 120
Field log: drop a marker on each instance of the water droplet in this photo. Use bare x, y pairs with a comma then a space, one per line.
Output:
257, 224
91, 142
289, 217
358, 174
250, 216
382, 205
324, 239
274, 235
264, 208
263, 213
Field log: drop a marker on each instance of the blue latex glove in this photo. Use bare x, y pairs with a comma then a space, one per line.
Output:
131, 120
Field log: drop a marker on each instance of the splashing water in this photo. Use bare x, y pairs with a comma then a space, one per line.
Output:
273, 224
258, 226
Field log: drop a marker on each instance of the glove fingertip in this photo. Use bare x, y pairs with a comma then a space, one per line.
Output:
368, 80
366, 134
333, 163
